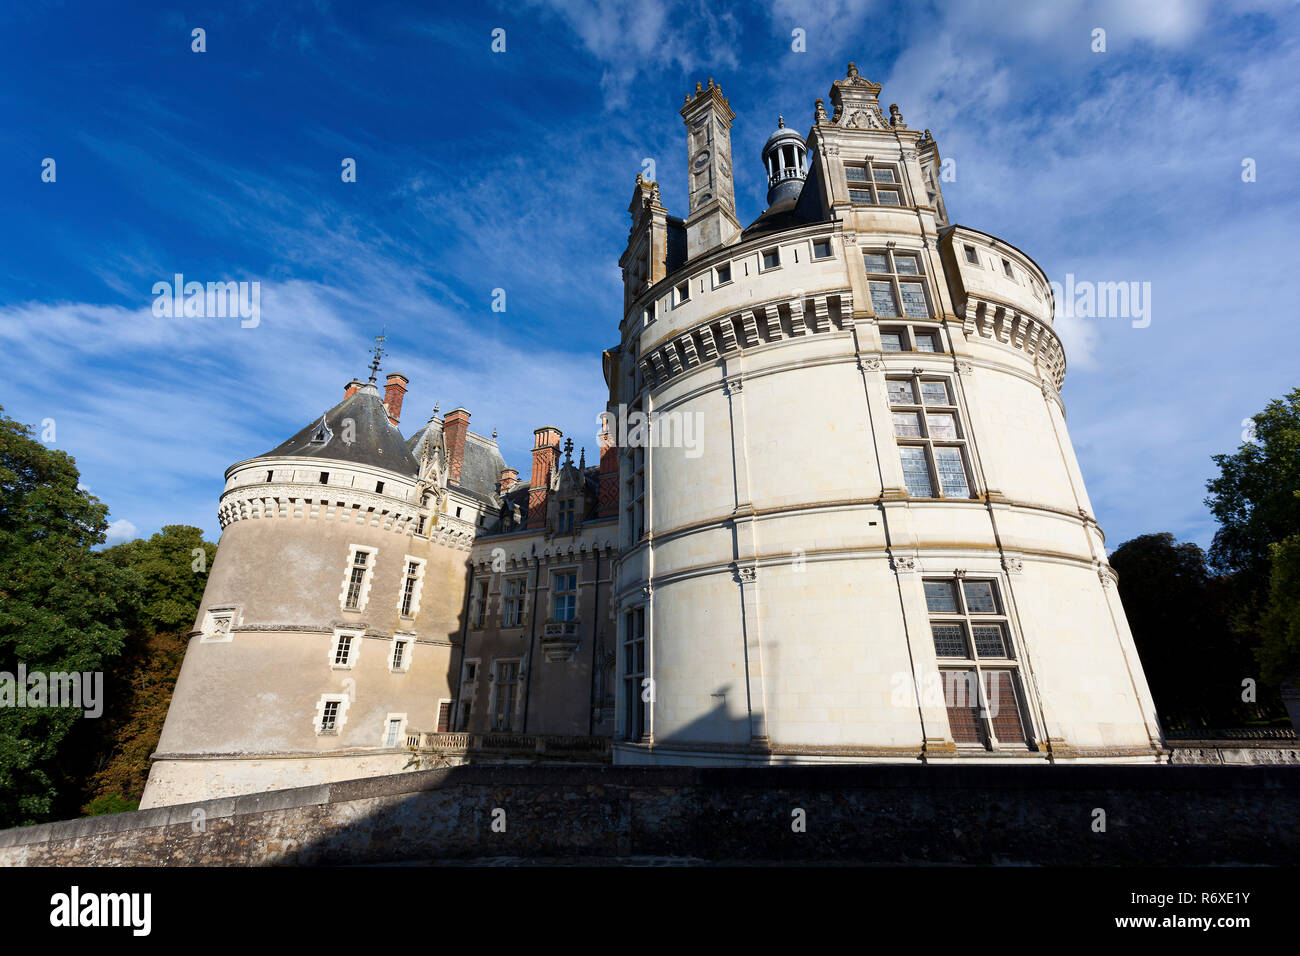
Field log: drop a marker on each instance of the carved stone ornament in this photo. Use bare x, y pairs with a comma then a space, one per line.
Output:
1012, 564
965, 368
903, 563
870, 363
747, 574
732, 386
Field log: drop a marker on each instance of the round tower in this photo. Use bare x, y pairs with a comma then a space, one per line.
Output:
856, 529
326, 630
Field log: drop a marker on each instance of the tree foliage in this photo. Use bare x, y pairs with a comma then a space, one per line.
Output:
61, 606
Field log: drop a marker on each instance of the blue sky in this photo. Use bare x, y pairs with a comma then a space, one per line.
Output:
479, 170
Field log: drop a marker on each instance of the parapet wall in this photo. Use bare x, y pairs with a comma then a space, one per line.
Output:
1152, 815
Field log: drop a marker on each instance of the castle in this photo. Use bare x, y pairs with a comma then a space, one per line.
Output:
835, 516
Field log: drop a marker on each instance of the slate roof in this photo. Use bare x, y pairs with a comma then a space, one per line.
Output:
376, 441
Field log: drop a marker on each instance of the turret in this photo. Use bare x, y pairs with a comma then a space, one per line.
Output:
784, 158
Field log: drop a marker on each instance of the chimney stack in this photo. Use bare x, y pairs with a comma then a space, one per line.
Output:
607, 478
351, 387
393, 395
509, 476
546, 454
455, 426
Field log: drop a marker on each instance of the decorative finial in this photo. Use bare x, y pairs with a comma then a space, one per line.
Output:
435, 409
699, 87
710, 82
895, 117
582, 459
853, 68
379, 352
568, 451
780, 122
494, 433
819, 110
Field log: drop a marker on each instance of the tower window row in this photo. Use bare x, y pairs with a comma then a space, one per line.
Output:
931, 440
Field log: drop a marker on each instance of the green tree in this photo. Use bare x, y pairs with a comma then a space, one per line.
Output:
1180, 617
1279, 652
1256, 499
110, 760
61, 605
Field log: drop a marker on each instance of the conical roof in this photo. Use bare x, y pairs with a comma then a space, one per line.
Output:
355, 430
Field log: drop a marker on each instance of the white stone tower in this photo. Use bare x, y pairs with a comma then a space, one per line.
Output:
879, 546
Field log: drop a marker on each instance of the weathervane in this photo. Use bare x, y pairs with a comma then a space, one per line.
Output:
379, 352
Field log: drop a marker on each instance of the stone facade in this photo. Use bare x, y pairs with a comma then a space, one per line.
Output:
880, 548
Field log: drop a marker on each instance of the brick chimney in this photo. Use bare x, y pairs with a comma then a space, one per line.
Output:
607, 476
351, 387
509, 476
546, 454
455, 426
394, 392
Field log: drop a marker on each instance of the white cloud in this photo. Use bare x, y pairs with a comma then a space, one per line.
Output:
119, 531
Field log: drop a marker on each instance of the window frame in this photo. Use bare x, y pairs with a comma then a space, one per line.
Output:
571, 594
896, 280
980, 664
340, 715
926, 441
367, 577
634, 722
408, 595
513, 605
354, 637
498, 665
871, 186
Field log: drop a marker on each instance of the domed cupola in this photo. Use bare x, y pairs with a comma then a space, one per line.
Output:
784, 157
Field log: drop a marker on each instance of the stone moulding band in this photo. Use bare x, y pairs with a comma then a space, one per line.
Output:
993, 320
758, 324
250, 502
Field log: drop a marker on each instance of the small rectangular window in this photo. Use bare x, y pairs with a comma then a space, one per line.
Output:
821, 249
855, 174
925, 342
565, 597
882, 299
952, 473
1006, 267
889, 197
771, 258
935, 393
884, 174
861, 195
394, 730
399, 654
949, 641
683, 292
906, 265
916, 474
941, 425
971, 256
724, 274
269, 474
901, 393
941, 597
343, 650
876, 262
379, 487
324, 477
891, 341
914, 303
471, 671
979, 597
329, 717
907, 424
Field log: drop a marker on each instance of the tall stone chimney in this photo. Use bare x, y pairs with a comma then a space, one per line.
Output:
712, 220
393, 395
455, 426
546, 454
607, 476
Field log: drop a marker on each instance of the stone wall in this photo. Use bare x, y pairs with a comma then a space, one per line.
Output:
873, 814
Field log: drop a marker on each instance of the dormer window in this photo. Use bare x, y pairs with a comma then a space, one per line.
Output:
568, 509
322, 435
873, 184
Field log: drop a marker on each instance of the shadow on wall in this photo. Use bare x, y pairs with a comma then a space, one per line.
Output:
963, 815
